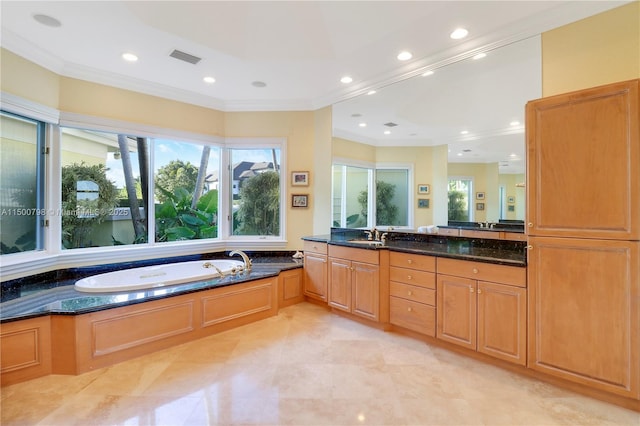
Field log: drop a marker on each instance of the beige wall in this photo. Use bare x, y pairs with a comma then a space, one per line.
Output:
346, 149
25, 79
485, 179
510, 183
601, 49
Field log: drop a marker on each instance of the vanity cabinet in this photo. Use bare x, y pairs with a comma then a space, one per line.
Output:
483, 307
315, 270
354, 281
412, 297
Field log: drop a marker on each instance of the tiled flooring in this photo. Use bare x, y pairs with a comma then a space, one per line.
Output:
304, 367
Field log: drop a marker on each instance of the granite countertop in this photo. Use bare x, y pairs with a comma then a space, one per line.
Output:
501, 252
55, 295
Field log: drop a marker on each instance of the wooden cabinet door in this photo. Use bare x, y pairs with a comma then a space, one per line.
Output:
583, 163
340, 284
456, 310
366, 290
315, 276
584, 324
502, 321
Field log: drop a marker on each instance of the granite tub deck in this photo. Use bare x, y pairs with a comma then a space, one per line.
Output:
54, 293
502, 252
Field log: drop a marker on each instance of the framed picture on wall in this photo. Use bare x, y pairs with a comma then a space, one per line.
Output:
511, 208
511, 199
424, 189
299, 200
479, 195
423, 203
479, 206
300, 178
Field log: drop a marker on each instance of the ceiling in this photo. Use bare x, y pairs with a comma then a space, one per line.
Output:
298, 49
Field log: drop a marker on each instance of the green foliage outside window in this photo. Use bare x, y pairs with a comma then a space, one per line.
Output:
259, 209
176, 174
386, 210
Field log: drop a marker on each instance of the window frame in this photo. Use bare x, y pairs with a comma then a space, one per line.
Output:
52, 255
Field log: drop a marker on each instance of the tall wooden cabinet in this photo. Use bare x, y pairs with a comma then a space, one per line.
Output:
583, 218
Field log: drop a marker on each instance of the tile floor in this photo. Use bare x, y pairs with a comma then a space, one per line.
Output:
306, 366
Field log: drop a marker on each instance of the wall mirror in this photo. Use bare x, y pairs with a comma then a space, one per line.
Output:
467, 112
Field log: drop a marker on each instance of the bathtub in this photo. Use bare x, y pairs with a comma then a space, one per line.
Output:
158, 275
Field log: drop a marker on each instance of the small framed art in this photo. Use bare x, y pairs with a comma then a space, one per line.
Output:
424, 189
479, 195
423, 203
300, 178
479, 206
300, 200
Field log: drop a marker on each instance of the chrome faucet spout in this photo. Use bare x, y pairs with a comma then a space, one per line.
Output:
245, 258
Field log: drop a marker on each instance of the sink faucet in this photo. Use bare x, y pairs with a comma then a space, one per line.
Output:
245, 259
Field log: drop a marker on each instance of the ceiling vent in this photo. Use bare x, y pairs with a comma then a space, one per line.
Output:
185, 57
390, 124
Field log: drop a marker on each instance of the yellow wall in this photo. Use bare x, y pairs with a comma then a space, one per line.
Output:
346, 149
598, 50
518, 192
29, 81
485, 179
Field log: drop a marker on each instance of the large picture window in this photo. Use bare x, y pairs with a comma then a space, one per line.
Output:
22, 147
358, 203
255, 196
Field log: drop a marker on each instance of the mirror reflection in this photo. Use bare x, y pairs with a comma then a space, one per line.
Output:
458, 127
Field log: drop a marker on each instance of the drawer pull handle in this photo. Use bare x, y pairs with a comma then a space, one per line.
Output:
470, 289
409, 261
475, 270
409, 277
409, 309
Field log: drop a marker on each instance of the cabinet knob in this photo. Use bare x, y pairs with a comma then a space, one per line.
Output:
530, 247
475, 270
409, 309
409, 261
409, 277
479, 291
470, 289
409, 293
530, 224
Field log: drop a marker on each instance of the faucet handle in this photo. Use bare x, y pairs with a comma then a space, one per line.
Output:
369, 235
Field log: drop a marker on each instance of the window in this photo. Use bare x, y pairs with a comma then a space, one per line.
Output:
255, 196
460, 199
354, 208
187, 179
102, 189
22, 143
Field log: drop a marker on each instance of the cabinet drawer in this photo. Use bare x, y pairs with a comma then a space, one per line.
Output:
315, 247
511, 275
354, 254
413, 277
471, 233
413, 293
449, 231
514, 236
412, 315
413, 261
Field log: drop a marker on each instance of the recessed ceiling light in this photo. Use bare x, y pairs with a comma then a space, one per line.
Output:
259, 84
346, 79
459, 154
427, 73
371, 92
129, 57
513, 155
404, 56
47, 20
479, 56
464, 132
387, 132
515, 123
362, 124
209, 80
459, 33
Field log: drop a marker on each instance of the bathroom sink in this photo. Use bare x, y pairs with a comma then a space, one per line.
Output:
367, 242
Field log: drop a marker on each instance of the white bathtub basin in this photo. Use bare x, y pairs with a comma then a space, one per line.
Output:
157, 275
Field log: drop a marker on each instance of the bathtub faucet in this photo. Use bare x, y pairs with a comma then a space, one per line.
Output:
245, 258
212, 265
